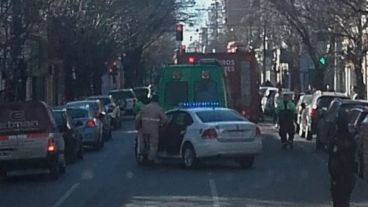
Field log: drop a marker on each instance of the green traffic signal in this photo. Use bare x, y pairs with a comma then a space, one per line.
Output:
323, 60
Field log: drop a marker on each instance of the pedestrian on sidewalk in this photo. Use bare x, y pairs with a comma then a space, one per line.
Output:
286, 111
342, 164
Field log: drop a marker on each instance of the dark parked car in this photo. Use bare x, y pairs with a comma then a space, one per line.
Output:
320, 102
112, 109
326, 125
362, 141
72, 137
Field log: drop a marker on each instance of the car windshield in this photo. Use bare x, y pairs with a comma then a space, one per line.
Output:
219, 116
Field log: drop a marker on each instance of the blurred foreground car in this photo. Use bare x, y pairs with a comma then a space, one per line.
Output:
29, 138
326, 125
202, 132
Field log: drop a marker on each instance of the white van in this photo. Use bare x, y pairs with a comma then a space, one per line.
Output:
29, 138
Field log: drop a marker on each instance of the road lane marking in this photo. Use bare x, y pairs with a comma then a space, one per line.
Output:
215, 198
66, 195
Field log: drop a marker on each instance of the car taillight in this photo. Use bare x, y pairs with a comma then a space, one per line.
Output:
210, 133
313, 112
91, 123
51, 147
258, 131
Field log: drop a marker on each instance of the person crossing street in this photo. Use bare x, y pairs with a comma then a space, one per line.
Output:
286, 110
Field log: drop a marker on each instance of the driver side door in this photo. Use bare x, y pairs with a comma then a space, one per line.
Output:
176, 130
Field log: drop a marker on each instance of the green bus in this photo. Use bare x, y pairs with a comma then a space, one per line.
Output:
199, 83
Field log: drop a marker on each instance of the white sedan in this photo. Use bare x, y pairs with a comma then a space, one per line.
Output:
193, 134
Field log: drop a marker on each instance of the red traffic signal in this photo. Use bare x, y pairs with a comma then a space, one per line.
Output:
191, 60
179, 32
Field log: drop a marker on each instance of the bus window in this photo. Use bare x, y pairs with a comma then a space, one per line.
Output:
176, 92
205, 90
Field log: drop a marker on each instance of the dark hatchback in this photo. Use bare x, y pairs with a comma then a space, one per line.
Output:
72, 138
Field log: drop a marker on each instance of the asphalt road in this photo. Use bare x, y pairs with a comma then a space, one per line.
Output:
111, 178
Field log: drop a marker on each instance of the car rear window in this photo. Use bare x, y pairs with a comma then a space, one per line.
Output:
325, 101
105, 101
122, 95
78, 113
25, 117
346, 108
219, 116
84, 105
140, 92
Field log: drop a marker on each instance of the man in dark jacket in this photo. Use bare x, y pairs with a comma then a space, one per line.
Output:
342, 164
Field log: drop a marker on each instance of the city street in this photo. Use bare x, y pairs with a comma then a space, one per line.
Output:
111, 178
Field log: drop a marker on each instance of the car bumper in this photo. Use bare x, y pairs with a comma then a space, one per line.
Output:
34, 163
90, 136
214, 148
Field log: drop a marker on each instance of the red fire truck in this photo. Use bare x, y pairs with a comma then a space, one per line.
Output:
241, 75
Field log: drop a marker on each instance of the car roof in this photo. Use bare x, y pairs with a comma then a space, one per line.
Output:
122, 90
329, 93
200, 109
99, 96
83, 102
348, 101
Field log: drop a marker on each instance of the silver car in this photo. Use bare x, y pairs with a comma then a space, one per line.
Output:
89, 127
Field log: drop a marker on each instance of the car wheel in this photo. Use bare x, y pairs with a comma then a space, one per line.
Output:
246, 162
189, 156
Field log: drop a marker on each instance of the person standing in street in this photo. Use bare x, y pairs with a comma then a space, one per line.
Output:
149, 120
286, 111
276, 100
342, 164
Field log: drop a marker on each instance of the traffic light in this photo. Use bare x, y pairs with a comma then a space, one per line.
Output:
179, 32
323, 60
